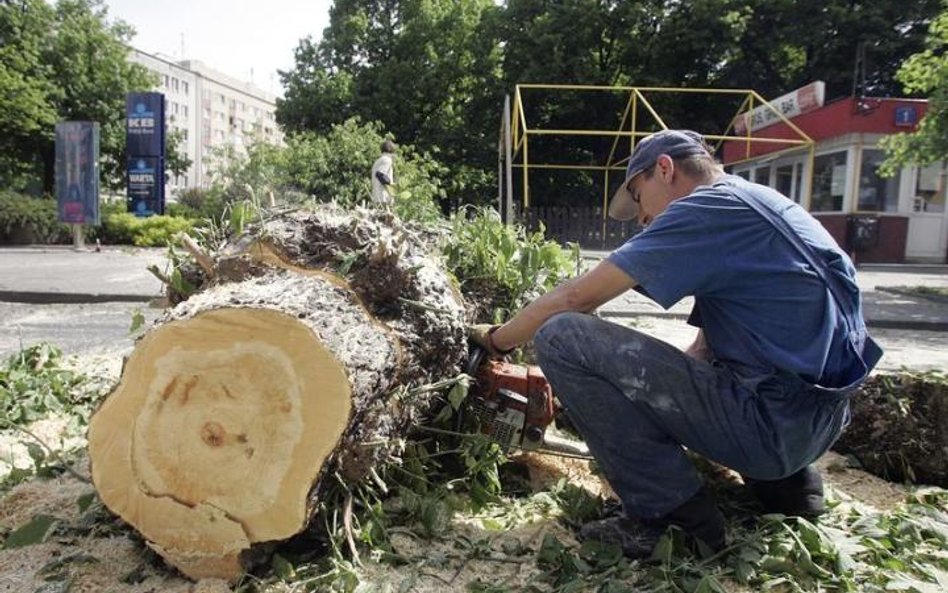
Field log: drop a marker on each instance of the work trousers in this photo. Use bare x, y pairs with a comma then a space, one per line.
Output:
638, 402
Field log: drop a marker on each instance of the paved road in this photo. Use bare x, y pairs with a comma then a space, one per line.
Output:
59, 274
84, 329
97, 330
55, 274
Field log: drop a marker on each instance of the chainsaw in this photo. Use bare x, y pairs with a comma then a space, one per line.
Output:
513, 405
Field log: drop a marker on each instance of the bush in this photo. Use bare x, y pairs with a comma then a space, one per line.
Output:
501, 267
336, 166
326, 167
155, 231
196, 202
28, 219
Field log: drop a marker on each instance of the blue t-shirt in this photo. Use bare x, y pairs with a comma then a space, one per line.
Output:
762, 307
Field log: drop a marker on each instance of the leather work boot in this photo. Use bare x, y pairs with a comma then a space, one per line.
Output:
797, 495
699, 517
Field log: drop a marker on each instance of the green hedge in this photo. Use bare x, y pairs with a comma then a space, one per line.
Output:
25, 219
127, 229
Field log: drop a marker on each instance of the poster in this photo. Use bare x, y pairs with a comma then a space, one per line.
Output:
145, 124
146, 188
77, 172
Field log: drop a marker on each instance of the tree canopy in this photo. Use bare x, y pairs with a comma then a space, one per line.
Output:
925, 73
63, 62
434, 72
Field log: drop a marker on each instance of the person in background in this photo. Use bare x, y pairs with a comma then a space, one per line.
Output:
765, 387
383, 176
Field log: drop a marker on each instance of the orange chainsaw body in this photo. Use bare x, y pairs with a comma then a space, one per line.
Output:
514, 403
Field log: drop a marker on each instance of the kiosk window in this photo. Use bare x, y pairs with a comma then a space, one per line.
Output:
876, 193
829, 182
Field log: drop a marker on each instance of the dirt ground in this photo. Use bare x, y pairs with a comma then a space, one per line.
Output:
95, 553
91, 551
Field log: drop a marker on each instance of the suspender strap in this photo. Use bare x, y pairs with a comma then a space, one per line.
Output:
767, 207
768, 210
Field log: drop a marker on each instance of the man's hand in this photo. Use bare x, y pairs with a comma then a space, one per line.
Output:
480, 334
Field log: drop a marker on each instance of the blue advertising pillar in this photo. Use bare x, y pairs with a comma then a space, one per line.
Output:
145, 147
77, 174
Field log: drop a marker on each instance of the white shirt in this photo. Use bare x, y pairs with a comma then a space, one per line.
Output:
385, 164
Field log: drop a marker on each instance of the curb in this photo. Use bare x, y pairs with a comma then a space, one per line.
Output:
72, 298
897, 290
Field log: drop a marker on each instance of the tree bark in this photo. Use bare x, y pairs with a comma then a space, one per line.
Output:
285, 369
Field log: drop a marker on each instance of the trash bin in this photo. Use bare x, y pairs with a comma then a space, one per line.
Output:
863, 231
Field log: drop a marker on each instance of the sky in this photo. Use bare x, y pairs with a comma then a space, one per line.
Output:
247, 39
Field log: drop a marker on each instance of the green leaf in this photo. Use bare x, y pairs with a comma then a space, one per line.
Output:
744, 572
458, 392
664, 548
138, 320
85, 501
34, 532
36, 453
282, 567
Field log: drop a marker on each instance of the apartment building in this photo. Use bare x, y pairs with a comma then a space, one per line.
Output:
208, 109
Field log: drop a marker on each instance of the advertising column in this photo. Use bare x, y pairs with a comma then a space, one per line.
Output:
77, 174
145, 142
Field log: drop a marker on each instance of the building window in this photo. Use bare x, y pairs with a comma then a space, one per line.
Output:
223, 100
184, 87
166, 80
829, 182
184, 134
184, 111
930, 188
762, 175
876, 194
789, 180
174, 84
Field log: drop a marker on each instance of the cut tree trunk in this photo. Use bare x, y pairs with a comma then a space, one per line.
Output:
285, 368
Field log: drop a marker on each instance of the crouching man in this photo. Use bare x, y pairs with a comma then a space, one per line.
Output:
764, 389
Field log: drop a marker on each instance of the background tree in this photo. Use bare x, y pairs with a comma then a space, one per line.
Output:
434, 72
329, 167
785, 44
925, 73
427, 70
27, 114
65, 62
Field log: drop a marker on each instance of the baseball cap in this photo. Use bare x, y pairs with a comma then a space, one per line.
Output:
675, 143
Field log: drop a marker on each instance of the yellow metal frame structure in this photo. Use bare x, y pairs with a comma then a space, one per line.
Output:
516, 133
